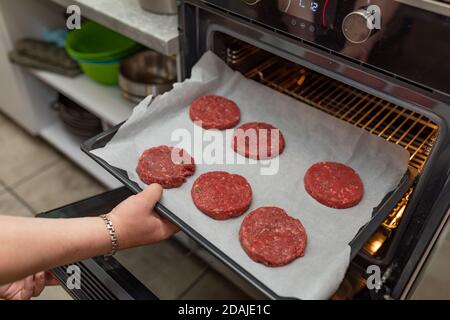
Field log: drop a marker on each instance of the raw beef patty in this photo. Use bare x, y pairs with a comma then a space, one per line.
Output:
167, 166
258, 140
334, 185
272, 237
215, 112
221, 195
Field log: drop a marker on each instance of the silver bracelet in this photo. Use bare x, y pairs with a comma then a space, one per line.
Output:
112, 235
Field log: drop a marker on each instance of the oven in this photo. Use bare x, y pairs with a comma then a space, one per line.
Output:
382, 66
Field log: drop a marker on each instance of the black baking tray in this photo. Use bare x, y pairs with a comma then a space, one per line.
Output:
379, 213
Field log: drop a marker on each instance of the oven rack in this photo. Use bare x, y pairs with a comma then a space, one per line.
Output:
412, 131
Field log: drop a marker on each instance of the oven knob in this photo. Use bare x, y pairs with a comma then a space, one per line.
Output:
355, 26
251, 2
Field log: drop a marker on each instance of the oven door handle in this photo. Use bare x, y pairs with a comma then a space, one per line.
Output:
98, 278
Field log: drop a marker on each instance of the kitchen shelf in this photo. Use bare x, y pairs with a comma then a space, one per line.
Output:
69, 145
156, 31
105, 102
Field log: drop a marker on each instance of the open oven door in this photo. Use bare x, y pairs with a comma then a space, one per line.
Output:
107, 279
102, 279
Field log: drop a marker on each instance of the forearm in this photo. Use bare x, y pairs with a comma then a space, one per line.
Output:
29, 245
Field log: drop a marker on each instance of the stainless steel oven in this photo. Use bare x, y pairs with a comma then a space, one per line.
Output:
382, 66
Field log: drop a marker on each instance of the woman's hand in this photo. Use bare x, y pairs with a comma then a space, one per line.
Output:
27, 288
136, 222
77, 239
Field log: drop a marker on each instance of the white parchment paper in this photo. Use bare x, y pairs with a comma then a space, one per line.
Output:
311, 136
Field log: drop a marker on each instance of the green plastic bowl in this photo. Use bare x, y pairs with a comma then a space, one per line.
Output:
97, 43
106, 73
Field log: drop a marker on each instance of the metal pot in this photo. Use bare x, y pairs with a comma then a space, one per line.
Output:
159, 6
147, 73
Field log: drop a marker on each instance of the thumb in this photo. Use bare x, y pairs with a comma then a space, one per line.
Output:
151, 195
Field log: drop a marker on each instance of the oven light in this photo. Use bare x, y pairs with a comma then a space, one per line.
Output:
375, 243
394, 218
302, 77
392, 223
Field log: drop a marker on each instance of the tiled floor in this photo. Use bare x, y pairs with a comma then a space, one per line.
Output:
33, 178
36, 178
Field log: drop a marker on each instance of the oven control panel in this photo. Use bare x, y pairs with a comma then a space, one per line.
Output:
328, 23
308, 10
389, 35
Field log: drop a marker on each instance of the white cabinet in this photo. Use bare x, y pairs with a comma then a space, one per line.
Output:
11, 101
23, 97
26, 95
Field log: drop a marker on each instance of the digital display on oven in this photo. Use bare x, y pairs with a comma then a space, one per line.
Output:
303, 9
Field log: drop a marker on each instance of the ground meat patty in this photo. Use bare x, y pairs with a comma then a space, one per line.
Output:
246, 141
334, 185
165, 165
221, 195
215, 112
272, 237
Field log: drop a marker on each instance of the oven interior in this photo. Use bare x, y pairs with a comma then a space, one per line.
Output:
412, 131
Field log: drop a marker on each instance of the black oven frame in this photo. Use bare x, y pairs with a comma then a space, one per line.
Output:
427, 210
